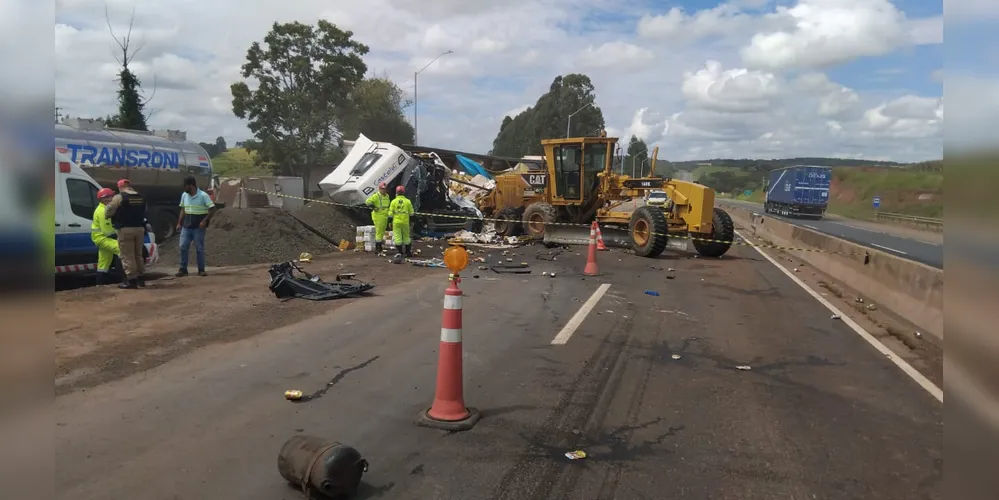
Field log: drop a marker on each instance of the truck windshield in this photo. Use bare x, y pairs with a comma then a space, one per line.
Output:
365, 163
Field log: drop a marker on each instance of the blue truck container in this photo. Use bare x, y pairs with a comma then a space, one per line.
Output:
798, 191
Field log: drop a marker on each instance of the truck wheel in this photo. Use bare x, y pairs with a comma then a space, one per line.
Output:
536, 217
164, 225
507, 222
648, 229
722, 235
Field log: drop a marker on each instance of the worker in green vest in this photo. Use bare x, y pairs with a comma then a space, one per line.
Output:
379, 205
399, 210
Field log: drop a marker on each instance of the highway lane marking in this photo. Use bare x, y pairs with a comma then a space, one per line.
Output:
809, 226
890, 249
577, 319
914, 374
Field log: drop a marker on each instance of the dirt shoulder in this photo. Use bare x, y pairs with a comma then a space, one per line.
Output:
103, 333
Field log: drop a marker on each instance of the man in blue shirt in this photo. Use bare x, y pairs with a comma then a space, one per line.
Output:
196, 210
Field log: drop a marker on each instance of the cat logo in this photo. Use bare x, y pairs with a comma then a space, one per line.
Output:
537, 181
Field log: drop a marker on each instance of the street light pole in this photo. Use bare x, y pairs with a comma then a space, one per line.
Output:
569, 123
416, 98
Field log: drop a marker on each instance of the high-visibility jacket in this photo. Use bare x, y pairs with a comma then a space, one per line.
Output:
379, 203
101, 228
46, 225
400, 209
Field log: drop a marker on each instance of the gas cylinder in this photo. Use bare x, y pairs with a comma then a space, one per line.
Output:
317, 465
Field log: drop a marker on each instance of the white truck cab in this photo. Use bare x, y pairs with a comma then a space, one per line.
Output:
75, 202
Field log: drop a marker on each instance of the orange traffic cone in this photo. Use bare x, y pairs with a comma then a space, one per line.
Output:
448, 411
600, 238
591, 258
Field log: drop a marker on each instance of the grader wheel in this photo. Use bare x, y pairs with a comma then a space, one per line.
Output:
721, 237
507, 222
648, 230
537, 217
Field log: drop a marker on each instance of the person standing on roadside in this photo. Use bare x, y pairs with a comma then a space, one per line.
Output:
127, 211
379, 205
399, 210
196, 212
104, 236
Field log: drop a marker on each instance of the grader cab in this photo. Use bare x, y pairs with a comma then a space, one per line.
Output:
580, 185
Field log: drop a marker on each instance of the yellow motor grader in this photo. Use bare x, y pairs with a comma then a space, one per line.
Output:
579, 185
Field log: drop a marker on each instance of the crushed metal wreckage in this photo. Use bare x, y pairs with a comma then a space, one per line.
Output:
286, 285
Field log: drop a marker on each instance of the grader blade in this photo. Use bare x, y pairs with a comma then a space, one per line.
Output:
571, 235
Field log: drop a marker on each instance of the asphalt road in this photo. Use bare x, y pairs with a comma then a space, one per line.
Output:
920, 251
820, 414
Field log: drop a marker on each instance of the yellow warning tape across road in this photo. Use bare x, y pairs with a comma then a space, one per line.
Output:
565, 224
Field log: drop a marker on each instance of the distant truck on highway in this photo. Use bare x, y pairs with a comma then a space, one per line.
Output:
798, 191
156, 162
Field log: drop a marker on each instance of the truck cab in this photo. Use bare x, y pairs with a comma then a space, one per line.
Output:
75, 202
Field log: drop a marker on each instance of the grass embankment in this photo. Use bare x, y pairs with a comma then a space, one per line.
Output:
902, 191
238, 162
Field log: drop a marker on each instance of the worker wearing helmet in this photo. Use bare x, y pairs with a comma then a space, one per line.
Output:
399, 210
104, 236
379, 205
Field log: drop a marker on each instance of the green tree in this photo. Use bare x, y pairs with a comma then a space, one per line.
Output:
635, 161
305, 78
376, 110
574, 93
131, 103
220, 146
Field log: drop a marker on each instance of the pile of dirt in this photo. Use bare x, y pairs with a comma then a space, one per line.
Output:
331, 221
252, 236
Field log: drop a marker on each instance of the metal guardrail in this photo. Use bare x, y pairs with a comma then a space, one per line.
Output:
912, 220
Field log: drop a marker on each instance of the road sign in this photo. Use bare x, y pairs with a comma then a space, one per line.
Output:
877, 202
748, 192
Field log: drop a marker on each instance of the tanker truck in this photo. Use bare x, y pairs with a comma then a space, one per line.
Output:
156, 162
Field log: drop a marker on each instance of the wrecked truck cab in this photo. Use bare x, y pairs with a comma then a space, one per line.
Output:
367, 164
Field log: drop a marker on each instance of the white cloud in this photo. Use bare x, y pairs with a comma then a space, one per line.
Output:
675, 77
619, 55
828, 32
516, 111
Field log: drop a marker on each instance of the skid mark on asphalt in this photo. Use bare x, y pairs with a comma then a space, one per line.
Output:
333, 381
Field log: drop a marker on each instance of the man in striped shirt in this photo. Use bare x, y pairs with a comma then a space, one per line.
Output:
196, 210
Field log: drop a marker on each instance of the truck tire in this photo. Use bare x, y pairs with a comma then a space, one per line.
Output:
507, 222
721, 237
648, 229
536, 217
164, 223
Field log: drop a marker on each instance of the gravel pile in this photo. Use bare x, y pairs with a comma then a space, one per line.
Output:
253, 236
333, 222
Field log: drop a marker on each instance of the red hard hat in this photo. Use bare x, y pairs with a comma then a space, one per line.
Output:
400, 190
381, 185
104, 193
123, 182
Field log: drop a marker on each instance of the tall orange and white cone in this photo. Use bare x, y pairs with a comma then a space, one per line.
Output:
448, 411
591, 257
600, 238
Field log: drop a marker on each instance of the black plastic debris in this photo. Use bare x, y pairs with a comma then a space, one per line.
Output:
286, 285
321, 468
512, 268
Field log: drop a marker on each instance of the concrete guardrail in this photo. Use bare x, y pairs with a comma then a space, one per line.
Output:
911, 220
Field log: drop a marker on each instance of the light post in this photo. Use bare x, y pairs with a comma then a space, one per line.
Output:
569, 123
416, 98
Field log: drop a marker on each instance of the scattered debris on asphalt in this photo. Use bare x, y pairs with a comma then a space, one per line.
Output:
575, 455
511, 268
834, 316
872, 307
919, 335
318, 466
675, 356
744, 367
652, 293
286, 285
434, 262
293, 395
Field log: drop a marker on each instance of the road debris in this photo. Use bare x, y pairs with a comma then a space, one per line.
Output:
286, 285
919, 335
316, 465
652, 293
675, 356
834, 316
744, 367
293, 395
575, 455
872, 307
434, 262
510, 268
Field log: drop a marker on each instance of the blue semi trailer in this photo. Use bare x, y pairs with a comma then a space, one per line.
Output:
798, 191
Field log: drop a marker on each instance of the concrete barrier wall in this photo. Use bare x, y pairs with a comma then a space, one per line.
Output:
909, 289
